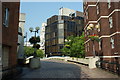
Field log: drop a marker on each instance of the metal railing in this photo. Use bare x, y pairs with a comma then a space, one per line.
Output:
110, 66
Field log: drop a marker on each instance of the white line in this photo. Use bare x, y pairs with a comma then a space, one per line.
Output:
115, 10
103, 56
104, 36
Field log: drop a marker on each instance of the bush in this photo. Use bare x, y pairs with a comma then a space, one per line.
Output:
29, 51
40, 53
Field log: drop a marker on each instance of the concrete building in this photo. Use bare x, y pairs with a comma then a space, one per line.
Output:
20, 49
106, 15
68, 12
42, 36
22, 22
58, 28
10, 23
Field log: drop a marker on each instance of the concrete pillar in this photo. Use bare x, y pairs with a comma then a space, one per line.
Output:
92, 62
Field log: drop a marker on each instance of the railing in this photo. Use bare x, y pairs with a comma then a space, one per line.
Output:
110, 66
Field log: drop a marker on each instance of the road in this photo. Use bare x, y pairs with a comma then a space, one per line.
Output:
53, 69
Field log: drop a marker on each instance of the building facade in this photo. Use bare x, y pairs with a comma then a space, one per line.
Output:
20, 47
58, 28
106, 15
42, 36
10, 23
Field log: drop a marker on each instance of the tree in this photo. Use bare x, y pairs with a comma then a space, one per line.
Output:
77, 48
74, 46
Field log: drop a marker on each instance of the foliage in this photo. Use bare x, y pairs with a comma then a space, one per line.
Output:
94, 37
29, 51
74, 46
40, 53
34, 40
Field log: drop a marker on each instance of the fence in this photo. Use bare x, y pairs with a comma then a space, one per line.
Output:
110, 66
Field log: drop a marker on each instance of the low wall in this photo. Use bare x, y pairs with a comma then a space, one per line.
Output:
79, 60
91, 62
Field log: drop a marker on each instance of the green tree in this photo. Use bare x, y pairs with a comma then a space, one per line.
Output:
77, 48
28, 51
40, 53
74, 46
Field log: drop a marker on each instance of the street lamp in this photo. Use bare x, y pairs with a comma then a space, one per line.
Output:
35, 61
93, 27
35, 31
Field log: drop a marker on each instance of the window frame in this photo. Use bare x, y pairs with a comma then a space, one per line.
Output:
6, 17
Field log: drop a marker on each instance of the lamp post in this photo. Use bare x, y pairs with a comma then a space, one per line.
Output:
35, 61
93, 27
35, 31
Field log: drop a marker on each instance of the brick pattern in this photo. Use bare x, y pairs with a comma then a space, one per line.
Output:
103, 19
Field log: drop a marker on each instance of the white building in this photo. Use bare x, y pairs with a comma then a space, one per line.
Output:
66, 11
20, 48
42, 36
69, 12
22, 21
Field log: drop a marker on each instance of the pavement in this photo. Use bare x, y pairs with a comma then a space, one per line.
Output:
58, 69
98, 73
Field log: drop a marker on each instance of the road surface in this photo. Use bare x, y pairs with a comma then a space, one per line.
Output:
52, 69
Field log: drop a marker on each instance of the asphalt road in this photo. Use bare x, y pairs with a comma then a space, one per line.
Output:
52, 69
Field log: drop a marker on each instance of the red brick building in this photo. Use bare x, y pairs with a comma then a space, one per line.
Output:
106, 15
10, 21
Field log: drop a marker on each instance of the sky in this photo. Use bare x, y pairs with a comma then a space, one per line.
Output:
39, 12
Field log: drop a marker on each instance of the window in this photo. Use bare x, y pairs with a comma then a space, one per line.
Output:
112, 43
85, 33
110, 22
5, 56
109, 3
97, 9
87, 14
99, 27
6, 17
61, 40
88, 46
100, 45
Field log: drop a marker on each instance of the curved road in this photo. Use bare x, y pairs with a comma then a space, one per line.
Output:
53, 69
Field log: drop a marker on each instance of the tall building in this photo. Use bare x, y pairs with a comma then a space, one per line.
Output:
10, 23
58, 28
106, 15
20, 48
42, 36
